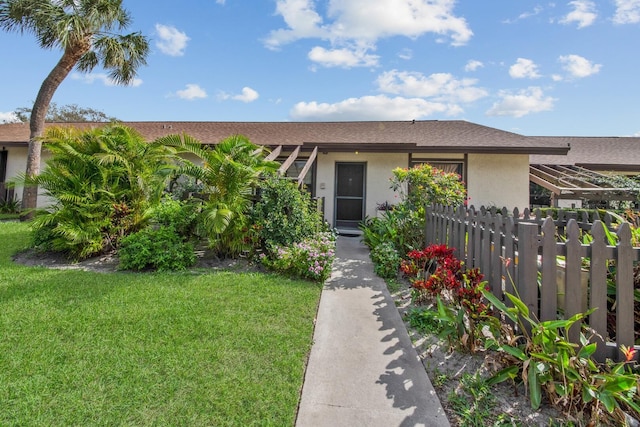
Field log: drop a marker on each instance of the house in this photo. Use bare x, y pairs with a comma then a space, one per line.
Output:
619, 155
582, 173
348, 164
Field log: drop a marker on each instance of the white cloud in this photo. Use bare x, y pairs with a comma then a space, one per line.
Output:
405, 54
578, 67
524, 68
9, 117
191, 92
220, 1
301, 18
627, 12
101, 77
442, 87
521, 103
247, 95
378, 107
345, 58
525, 15
172, 41
584, 13
363, 22
473, 65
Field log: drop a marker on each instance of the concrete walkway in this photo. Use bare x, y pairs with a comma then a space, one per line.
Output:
363, 369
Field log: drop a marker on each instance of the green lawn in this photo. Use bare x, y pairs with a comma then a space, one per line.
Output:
80, 348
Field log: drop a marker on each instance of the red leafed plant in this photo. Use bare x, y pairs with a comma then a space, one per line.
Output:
436, 274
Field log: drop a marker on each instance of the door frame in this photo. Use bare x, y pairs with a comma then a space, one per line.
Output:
337, 185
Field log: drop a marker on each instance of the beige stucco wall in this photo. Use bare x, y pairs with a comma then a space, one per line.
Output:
493, 180
16, 166
498, 180
378, 173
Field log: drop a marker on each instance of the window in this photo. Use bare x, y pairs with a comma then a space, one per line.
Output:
309, 179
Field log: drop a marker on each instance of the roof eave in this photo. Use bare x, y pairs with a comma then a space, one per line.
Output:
610, 167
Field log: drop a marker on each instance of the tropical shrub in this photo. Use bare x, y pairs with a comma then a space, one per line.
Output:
386, 260
400, 226
310, 259
179, 215
229, 175
437, 275
563, 372
419, 187
160, 249
103, 182
284, 214
10, 206
423, 185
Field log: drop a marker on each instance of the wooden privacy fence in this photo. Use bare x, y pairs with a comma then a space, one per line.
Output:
556, 269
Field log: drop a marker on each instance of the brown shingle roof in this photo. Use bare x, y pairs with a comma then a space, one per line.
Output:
598, 153
432, 135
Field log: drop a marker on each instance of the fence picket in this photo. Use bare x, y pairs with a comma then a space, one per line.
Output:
573, 288
509, 256
598, 289
549, 285
494, 274
527, 283
485, 243
624, 289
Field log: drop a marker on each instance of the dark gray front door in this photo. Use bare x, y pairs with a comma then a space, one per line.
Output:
350, 191
3, 173
3, 165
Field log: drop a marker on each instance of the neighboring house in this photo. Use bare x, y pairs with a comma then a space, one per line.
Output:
578, 175
620, 155
349, 164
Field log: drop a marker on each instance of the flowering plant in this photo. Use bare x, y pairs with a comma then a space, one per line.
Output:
436, 274
310, 259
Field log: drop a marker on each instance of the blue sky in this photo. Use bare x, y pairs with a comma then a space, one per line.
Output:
535, 68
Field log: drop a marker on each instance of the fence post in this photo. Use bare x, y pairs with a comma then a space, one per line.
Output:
527, 283
624, 289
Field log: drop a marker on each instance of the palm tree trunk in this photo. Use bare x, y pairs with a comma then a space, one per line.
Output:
36, 124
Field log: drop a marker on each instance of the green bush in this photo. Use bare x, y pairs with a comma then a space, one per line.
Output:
285, 214
419, 187
161, 249
182, 216
42, 238
10, 206
103, 182
386, 260
310, 259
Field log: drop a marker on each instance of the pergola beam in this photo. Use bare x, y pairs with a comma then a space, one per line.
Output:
287, 163
307, 166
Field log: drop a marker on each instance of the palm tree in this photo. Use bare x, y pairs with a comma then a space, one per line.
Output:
230, 172
85, 31
104, 183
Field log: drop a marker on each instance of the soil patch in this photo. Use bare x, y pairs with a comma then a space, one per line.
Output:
446, 368
108, 263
